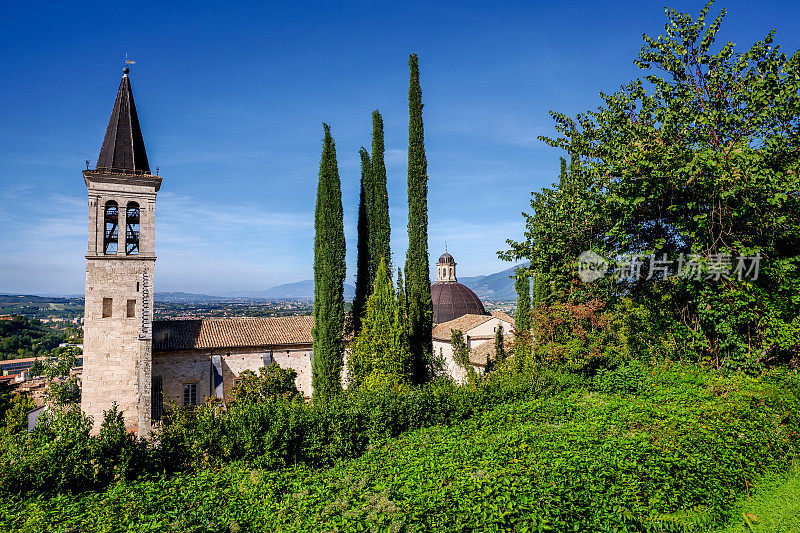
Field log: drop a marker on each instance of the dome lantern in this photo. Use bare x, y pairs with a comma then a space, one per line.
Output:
450, 298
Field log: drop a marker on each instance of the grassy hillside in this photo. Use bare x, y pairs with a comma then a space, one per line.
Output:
774, 507
676, 455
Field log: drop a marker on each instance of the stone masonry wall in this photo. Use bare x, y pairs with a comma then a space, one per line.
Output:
113, 353
194, 366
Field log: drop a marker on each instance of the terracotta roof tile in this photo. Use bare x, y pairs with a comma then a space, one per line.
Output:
502, 315
464, 323
478, 355
239, 332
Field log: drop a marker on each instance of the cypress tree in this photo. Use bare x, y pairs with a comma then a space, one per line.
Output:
363, 266
499, 345
380, 352
418, 283
329, 273
522, 319
379, 231
541, 291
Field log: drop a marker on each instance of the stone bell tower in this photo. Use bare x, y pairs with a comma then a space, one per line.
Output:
120, 263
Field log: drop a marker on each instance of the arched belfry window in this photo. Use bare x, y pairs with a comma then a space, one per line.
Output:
132, 229
111, 228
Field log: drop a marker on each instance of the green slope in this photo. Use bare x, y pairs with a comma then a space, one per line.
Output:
677, 457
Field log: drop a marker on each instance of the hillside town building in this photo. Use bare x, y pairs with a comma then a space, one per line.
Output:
147, 366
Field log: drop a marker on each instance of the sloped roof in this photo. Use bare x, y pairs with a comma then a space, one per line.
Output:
478, 355
123, 146
241, 332
464, 323
502, 315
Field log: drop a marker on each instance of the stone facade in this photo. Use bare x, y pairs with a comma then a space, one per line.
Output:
477, 330
175, 369
118, 307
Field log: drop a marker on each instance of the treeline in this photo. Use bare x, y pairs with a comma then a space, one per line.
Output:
27, 337
674, 230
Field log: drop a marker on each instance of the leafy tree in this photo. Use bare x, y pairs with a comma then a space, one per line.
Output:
418, 283
363, 267
60, 367
16, 417
116, 453
382, 346
380, 230
329, 273
63, 392
461, 353
271, 382
697, 160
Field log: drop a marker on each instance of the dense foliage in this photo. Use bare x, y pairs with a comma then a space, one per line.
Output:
329, 273
27, 337
418, 282
674, 179
379, 355
543, 452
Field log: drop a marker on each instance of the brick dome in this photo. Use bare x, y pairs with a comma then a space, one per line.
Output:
452, 300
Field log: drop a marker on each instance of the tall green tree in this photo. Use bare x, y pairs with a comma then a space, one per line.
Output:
379, 233
699, 161
329, 273
418, 283
540, 291
522, 317
363, 266
499, 345
380, 354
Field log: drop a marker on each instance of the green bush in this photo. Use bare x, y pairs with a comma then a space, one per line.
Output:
675, 457
60, 455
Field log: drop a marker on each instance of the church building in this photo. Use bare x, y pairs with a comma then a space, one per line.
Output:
145, 365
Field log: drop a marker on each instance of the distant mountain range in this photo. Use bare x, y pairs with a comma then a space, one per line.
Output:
497, 286
302, 290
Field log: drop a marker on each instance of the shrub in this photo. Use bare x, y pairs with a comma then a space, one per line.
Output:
270, 382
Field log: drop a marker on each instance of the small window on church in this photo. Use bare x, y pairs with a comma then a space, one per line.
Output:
131, 309
111, 230
189, 394
107, 305
132, 229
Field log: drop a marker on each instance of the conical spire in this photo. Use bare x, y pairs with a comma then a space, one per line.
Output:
123, 147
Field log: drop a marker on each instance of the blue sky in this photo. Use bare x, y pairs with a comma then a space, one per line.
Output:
231, 97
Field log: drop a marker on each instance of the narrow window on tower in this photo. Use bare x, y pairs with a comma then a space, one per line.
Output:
107, 306
131, 309
111, 230
132, 229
